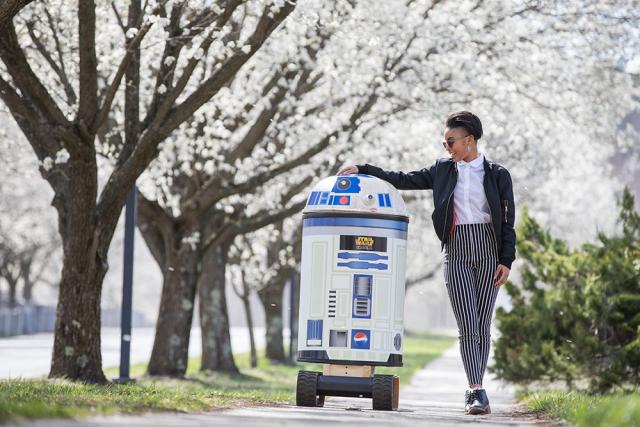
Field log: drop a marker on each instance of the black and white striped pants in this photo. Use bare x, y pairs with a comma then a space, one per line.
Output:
470, 262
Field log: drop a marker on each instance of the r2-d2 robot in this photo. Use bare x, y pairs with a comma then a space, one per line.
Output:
352, 287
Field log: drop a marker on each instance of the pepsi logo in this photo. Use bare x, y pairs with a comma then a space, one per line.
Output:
360, 337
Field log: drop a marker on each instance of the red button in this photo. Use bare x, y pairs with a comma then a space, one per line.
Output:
344, 200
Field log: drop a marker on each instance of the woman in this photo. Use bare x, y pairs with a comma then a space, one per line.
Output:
473, 217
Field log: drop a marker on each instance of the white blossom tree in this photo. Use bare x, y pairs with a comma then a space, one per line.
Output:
62, 80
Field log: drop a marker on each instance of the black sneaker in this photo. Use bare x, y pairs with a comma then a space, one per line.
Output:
477, 402
468, 400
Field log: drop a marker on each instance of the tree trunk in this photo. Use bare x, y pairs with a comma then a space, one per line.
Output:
170, 352
247, 309
295, 308
271, 297
27, 282
85, 242
13, 286
214, 318
177, 253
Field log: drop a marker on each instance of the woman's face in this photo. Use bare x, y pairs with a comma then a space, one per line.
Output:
455, 142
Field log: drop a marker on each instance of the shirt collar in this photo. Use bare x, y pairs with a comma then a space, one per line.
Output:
475, 163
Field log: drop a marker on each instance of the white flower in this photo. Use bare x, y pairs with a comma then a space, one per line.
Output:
169, 60
192, 240
246, 48
228, 209
198, 54
47, 163
131, 33
62, 156
162, 89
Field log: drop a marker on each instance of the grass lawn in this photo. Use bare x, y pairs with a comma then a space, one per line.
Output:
584, 410
266, 384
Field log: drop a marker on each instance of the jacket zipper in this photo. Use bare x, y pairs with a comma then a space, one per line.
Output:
506, 210
446, 210
493, 228
444, 228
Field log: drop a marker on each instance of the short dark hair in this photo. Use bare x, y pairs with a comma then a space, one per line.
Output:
467, 120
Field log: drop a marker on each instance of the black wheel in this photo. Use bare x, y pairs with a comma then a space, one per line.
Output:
382, 393
307, 389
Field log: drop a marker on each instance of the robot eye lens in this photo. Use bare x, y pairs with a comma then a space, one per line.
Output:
370, 197
343, 184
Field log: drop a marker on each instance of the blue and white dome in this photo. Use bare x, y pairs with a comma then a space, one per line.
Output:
355, 193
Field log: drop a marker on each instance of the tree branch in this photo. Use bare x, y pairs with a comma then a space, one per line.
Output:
31, 88
155, 225
421, 278
132, 50
177, 115
88, 73
162, 104
59, 70
9, 9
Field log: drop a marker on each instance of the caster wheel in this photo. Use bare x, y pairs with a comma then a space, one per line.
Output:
384, 392
307, 389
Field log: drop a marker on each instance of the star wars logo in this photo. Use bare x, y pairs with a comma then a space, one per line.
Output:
364, 243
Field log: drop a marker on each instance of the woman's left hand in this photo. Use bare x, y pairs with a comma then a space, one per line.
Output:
501, 275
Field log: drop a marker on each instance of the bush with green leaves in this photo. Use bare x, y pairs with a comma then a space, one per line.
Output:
576, 315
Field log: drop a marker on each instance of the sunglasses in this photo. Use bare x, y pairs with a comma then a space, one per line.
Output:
449, 143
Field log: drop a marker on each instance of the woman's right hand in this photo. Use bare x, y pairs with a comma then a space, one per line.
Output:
348, 170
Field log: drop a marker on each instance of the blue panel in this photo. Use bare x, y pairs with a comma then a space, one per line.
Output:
313, 198
361, 339
324, 196
380, 201
347, 184
361, 296
363, 265
337, 198
386, 197
355, 222
314, 330
362, 256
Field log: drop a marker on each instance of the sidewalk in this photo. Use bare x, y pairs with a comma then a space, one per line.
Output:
433, 398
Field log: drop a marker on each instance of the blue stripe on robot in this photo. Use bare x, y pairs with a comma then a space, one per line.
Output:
355, 222
361, 256
324, 196
347, 184
384, 201
314, 332
363, 265
313, 198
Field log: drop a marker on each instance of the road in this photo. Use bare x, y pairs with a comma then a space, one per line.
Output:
29, 356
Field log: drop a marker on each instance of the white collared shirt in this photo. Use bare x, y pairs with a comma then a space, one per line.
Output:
469, 200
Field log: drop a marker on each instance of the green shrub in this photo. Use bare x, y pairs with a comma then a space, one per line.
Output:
576, 314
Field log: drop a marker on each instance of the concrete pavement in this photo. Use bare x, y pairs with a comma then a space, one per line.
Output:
434, 398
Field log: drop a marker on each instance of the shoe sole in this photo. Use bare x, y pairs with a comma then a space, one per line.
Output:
478, 411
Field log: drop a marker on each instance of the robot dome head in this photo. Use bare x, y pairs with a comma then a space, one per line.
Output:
355, 193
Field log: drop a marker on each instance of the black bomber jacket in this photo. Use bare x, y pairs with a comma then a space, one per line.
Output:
442, 177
